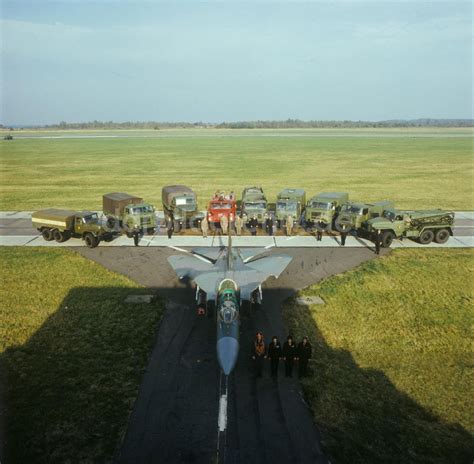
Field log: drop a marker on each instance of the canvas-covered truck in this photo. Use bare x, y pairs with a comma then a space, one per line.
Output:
422, 226
254, 203
129, 212
324, 206
290, 202
180, 202
353, 215
62, 224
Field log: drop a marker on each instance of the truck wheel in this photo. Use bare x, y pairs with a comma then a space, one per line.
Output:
111, 222
426, 237
59, 236
47, 234
441, 236
91, 241
387, 238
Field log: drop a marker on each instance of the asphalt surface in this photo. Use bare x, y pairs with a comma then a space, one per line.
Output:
175, 417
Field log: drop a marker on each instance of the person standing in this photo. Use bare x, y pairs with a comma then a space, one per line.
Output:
204, 226
320, 226
378, 241
289, 225
136, 237
238, 225
343, 234
289, 355
274, 354
304, 354
253, 224
170, 226
258, 353
269, 225
224, 220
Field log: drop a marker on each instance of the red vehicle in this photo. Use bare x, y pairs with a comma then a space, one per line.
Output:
221, 205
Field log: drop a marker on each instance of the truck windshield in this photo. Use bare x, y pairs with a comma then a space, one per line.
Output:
320, 205
91, 219
352, 209
221, 205
255, 204
184, 201
287, 205
389, 215
141, 209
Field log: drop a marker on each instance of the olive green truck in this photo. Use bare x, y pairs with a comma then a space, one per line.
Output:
325, 207
62, 224
129, 212
354, 215
422, 226
290, 202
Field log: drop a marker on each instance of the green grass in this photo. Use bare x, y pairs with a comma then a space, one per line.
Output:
74, 354
414, 168
392, 369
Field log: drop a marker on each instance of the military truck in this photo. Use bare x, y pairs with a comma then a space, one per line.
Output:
129, 212
290, 202
62, 224
354, 215
324, 206
254, 203
423, 226
221, 205
180, 202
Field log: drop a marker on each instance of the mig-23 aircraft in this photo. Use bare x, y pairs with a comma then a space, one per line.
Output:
225, 277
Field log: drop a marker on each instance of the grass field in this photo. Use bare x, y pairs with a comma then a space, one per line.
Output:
74, 354
392, 370
421, 168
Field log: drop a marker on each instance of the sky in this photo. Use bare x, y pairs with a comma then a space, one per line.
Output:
137, 60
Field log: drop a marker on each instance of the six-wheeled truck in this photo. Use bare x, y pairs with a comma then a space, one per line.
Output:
129, 212
180, 203
324, 206
422, 226
221, 205
354, 215
290, 202
254, 204
62, 224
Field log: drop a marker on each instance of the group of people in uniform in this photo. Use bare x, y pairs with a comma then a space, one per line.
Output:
290, 354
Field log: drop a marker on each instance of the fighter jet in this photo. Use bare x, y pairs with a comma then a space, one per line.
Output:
225, 277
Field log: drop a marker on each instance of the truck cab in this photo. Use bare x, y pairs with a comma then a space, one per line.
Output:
221, 205
180, 202
254, 204
290, 202
324, 206
354, 214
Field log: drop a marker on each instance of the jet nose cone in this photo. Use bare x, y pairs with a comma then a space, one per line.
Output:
227, 352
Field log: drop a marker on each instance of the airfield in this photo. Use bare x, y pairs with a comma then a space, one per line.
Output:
104, 380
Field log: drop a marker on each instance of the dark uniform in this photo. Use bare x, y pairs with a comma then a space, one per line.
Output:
170, 226
304, 354
274, 354
136, 237
258, 355
253, 224
269, 225
289, 355
343, 235
320, 225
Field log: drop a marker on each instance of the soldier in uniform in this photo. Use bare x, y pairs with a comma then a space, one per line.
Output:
274, 354
378, 241
253, 224
204, 226
224, 220
290, 355
304, 354
238, 225
136, 237
170, 225
289, 225
258, 353
269, 225
343, 234
320, 226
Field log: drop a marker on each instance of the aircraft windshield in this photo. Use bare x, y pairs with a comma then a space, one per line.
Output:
141, 209
91, 219
287, 205
320, 205
184, 201
228, 311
